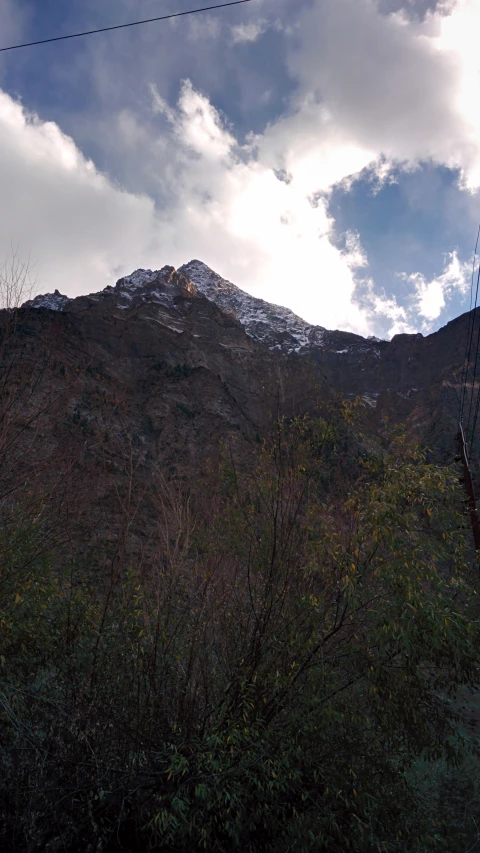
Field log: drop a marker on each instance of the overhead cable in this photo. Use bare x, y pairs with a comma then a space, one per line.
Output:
473, 383
471, 328
469, 335
123, 26
475, 360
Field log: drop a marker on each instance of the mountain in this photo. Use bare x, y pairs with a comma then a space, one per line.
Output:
276, 327
155, 611
161, 370
410, 378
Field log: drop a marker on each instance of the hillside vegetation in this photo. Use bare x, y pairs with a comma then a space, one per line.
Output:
280, 669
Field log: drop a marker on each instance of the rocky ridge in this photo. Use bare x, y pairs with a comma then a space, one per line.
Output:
411, 378
172, 364
276, 327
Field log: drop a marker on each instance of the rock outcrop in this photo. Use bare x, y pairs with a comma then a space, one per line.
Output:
167, 365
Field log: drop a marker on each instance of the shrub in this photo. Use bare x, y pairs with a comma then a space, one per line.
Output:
272, 681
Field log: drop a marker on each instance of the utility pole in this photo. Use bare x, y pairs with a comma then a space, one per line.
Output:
467, 479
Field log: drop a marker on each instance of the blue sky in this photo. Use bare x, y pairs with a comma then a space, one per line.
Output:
321, 154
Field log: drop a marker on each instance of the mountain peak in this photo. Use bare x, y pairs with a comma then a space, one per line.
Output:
55, 301
274, 326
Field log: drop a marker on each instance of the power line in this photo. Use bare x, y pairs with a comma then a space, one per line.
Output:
123, 26
469, 335
465, 454
473, 385
468, 352
475, 419
475, 365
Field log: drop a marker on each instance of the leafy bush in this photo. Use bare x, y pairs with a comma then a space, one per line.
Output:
276, 680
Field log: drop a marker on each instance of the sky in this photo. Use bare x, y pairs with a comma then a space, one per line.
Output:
323, 155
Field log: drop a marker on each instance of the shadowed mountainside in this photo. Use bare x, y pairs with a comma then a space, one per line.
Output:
156, 373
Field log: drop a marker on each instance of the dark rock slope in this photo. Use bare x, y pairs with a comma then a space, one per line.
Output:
241, 357
150, 377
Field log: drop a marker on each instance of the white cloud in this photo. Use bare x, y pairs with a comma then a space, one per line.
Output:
424, 301
379, 88
385, 311
262, 232
203, 28
372, 90
459, 26
223, 206
248, 32
354, 253
73, 223
199, 126
430, 296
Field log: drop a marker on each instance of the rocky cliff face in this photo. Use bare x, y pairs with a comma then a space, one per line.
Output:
241, 354
152, 375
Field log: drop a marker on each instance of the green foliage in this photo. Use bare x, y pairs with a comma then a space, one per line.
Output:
449, 797
283, 677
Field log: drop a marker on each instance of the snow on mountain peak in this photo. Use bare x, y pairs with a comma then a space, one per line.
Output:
53, 301
138, 278
274, 326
